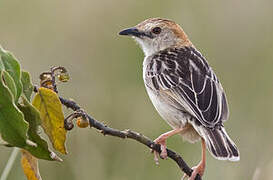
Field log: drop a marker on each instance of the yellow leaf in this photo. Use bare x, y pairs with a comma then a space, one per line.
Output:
30, 166
50, 107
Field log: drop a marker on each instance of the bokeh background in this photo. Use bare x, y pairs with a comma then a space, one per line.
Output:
106, 79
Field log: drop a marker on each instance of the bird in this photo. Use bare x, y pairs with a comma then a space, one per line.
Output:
184, 90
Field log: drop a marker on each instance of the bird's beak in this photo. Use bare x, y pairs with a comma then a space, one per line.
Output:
132, 32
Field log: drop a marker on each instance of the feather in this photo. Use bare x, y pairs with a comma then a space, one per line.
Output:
219, 143
187, 77
185, 86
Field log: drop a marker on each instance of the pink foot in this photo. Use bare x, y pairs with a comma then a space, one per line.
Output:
197, 170
200, 168
162, 141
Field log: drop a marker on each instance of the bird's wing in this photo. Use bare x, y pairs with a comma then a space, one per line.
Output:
184, 75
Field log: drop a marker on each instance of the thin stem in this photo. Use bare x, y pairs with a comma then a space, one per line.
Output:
131, 135
10, 163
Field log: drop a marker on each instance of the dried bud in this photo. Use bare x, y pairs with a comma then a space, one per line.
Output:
63, 77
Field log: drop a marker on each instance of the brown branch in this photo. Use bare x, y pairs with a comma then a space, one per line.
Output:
131, 135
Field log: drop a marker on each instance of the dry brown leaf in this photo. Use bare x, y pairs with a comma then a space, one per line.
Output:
30, 166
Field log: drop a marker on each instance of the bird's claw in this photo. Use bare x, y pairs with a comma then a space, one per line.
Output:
184, 176
156, 159
196, 170
163, 154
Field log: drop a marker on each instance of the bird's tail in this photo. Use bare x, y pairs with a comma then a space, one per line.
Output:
219, 144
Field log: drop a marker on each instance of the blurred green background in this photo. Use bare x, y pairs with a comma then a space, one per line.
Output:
106, 79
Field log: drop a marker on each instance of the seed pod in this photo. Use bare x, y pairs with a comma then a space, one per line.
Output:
82, 123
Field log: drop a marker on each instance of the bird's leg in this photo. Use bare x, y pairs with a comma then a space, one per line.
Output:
200, 168
162, 141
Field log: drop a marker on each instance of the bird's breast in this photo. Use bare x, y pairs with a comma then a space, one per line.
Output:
174, 116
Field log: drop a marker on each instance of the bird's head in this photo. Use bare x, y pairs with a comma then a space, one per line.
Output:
157, 34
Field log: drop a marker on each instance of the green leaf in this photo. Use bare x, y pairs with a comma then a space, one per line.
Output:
9, 82
1, 62
11, 65
27, 85
14, 130
32, 116
13, 127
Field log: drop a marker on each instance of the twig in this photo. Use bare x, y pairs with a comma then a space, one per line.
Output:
131, 135
9, 164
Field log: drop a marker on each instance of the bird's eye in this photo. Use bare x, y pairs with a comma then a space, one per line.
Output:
156, 30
